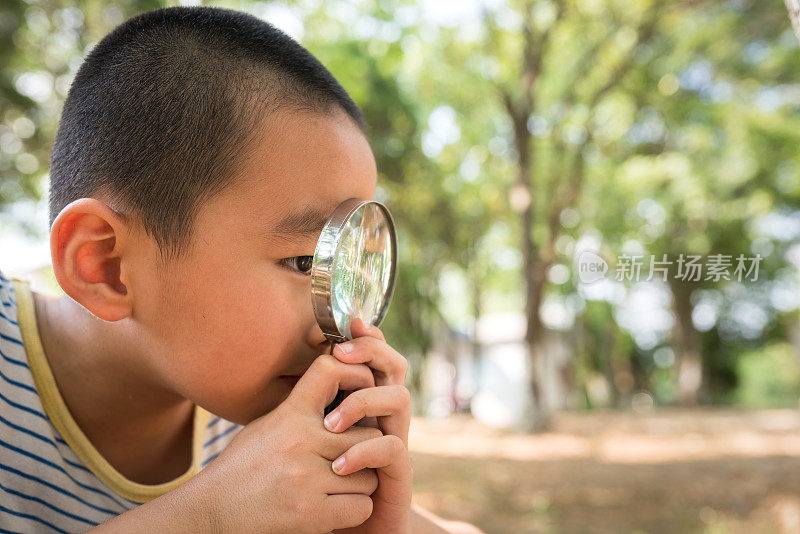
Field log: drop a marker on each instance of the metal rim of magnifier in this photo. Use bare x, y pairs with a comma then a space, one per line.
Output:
327, 248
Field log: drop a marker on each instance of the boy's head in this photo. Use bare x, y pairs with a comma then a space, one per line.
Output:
198, 154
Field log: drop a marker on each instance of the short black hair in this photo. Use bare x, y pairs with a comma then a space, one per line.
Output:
164, 107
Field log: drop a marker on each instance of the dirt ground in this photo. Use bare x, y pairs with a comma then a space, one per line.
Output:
668, 471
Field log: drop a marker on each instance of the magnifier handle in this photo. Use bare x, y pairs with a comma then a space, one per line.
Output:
340, 395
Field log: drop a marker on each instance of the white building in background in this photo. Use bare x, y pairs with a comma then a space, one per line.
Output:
495, 385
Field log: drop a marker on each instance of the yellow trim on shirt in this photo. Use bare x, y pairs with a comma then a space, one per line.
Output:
59, 414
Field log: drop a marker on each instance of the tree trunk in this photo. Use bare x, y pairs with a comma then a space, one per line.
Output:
520, 108
687, 344
475, 346
794, 15
537, 413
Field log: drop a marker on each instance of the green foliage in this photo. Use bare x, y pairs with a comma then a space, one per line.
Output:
769, 376
41, 45
672, 125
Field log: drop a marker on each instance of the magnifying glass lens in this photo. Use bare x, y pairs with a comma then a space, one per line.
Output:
362, 268
353, 270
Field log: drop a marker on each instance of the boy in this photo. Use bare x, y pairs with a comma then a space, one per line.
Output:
198, 155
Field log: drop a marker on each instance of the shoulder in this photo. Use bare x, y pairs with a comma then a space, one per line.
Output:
15, 376
43, 481
8, 304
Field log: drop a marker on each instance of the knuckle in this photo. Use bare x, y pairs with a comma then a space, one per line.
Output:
367, 373
352, 405
373, 433
358, 434
403, 365
291, 440
352, 457
405, 394
326, 363
359, 403
395, 444
288, 445
295, 474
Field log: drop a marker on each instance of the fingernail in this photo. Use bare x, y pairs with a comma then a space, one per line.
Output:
344, 348
338, 464
332, 419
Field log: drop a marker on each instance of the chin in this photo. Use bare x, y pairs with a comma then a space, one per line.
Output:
245, 412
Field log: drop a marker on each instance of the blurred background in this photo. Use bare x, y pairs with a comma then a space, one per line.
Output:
598, 207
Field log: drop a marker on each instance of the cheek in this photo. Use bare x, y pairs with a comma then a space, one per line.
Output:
227, 343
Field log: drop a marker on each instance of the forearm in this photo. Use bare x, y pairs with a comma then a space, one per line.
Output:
180, 510
425, 522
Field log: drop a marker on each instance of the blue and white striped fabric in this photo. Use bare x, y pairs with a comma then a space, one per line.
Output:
51, 478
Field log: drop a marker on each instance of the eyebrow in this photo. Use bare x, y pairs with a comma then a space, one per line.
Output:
299, 226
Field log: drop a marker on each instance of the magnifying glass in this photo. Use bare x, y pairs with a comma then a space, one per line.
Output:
353, 271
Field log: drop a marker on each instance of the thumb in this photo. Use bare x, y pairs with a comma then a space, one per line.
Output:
317, 388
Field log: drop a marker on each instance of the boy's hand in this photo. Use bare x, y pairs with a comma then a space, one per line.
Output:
390, 402
275, 475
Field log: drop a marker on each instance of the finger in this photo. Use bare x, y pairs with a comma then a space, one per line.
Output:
378, 355
364, 481
359, 328
368, 422
390, 404
318, 386
345, 511
387, 454
333, 445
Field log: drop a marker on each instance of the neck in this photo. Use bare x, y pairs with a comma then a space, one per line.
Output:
136, 423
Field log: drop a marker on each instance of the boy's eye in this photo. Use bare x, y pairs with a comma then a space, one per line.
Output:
301, 264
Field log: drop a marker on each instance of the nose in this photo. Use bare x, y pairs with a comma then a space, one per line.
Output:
317, 339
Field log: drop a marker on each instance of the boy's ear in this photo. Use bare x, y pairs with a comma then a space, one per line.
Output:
87, 241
